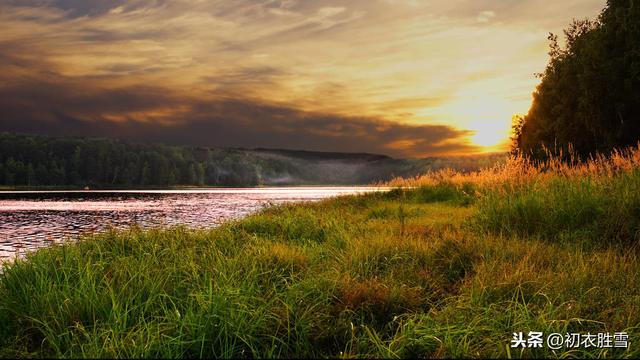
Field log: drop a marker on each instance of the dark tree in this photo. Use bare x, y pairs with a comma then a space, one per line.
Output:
589, 95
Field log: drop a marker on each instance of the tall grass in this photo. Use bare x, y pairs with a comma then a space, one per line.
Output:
450, 266
596, 201
519, 170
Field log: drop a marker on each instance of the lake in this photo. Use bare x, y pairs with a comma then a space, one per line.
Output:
33, 219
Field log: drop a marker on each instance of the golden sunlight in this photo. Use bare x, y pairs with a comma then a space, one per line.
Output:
441, 77
489, 117
491, 135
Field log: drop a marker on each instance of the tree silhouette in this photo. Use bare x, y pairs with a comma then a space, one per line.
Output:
589, 95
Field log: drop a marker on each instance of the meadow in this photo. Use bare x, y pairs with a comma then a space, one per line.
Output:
446, 265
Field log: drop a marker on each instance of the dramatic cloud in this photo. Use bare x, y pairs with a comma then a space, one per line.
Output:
400, 77
154, 114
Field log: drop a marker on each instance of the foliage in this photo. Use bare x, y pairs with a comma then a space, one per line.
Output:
589, 96
446, 268
33, 160
37, 161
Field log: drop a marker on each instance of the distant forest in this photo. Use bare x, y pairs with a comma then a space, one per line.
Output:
37, 161
589, 96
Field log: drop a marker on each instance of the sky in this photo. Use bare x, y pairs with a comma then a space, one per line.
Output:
406, 78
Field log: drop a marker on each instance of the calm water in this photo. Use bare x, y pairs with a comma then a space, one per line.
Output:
29, 220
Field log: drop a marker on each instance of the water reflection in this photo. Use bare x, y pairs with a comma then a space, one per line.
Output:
29, 220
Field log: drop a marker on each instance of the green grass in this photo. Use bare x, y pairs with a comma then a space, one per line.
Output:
439, 271
596, 210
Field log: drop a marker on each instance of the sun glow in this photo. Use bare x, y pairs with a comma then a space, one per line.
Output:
491, 136
487, 117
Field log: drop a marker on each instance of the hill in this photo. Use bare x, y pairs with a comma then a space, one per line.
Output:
40, 161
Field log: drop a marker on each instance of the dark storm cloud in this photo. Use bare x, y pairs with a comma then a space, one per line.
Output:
37, 97
68, 107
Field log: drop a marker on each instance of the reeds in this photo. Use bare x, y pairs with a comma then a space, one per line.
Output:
521, 170
449, 267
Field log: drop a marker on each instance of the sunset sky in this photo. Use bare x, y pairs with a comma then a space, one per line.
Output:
407, 78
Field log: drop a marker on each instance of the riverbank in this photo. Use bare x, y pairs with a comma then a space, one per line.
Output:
72, 188
34, 219
450, 269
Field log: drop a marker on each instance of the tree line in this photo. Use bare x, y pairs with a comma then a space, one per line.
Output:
37, 161
588, 100
32, 160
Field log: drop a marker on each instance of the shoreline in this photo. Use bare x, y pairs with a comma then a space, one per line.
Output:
424, 272
204, 190
176, 189
61, 215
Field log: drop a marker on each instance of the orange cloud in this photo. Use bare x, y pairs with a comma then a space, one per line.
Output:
394, 65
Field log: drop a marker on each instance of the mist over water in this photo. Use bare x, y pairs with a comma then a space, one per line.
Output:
30, 220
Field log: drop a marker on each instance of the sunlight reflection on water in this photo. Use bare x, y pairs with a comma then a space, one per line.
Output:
33, 219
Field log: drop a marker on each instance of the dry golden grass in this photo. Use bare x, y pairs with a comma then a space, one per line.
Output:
519, 170
449, 268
